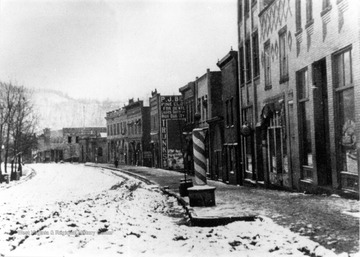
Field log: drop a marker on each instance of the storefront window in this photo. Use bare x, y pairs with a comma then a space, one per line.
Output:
247, 141
345, 112
304, 116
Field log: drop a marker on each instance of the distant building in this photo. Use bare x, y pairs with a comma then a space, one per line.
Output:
167, 121
231, 170
72, 144
138, 137
208, 104
50, 147
129, 134
117, 135
188, 95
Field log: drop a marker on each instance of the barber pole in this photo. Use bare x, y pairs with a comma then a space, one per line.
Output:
198, 137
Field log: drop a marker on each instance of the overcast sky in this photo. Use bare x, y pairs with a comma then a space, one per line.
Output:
113, 49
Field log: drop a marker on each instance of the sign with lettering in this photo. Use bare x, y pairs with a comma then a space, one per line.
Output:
171, 107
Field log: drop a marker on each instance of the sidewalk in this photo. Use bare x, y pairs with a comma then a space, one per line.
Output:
329, 220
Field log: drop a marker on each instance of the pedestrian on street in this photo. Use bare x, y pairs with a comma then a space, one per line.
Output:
116, 163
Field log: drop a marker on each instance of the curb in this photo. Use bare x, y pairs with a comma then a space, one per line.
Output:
31, 174
195, 220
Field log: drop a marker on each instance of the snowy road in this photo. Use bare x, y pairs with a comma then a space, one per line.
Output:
73, 210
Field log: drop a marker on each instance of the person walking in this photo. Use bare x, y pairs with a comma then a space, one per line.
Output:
116, 162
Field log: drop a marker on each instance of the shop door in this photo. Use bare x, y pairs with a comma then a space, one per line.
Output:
278, 162
321, 121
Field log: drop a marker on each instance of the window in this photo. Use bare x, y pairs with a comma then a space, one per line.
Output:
345, 113
298, 14
246, 7
69, 139
100, 152
284, 69
248, 60
242, 68
326, 4
267, 66
118, 128
247, 142
304, 117
276, 135
256, 64
240, 11
77, 139
231, 112
309, 16
227, 113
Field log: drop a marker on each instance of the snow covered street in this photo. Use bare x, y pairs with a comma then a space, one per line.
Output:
73, 210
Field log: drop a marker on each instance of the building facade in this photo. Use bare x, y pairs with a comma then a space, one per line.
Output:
188, 95
167, 120
208, 104
299, 79
87, 144
231, 170
138, 137
117, 136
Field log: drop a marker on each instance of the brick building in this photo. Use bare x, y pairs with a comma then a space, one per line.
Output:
231, 170
87, 144
117, 135
76, 146
188, 95
155, 142
208, 104
128, 138
299, 82
50, 146
166, 122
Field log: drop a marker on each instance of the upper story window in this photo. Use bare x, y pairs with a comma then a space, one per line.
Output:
309, 11
248, 60
298, 14
247, 7
77, 139
326, 4
242, 68
256, 59
283, 56
227, 113
343, 69
232, 111
240, 11
69, 139
267, 65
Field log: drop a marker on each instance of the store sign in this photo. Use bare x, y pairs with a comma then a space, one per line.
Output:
164, 143
171, 107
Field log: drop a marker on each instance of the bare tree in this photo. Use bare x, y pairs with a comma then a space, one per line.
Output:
17, 124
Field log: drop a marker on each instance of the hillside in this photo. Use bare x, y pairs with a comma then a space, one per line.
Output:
57, 110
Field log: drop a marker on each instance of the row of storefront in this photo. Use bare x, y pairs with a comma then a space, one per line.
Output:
281, 112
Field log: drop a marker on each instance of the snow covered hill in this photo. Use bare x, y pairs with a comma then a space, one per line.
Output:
57, 110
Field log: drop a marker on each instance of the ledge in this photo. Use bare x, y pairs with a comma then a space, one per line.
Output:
326, 10
309, 23
298, 32
284, 79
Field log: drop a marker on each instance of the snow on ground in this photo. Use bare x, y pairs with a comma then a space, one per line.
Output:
72, 210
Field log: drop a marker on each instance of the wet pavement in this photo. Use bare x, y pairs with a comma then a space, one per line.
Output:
331, 221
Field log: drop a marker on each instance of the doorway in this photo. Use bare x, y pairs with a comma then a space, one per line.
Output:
321, 122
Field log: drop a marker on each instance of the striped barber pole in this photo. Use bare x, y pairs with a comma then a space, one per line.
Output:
198, 137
